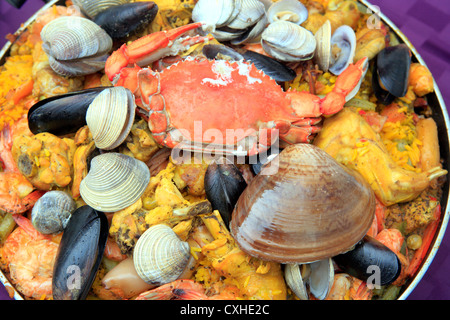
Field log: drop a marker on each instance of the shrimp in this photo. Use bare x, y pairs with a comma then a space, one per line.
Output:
346, 287
16, 192
29, 256
185, 289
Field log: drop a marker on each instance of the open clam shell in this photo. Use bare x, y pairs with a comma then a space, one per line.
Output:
287, 10
160, 256
114, 182
312, 209
110, 117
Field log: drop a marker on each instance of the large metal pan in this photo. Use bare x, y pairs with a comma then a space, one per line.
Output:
440, 115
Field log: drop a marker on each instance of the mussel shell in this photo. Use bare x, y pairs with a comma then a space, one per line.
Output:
224, 184
62, 114
92, 7
79, 254
273, 68
392, 70
120, 21
367, 254
311, 209
219, 51
51, 213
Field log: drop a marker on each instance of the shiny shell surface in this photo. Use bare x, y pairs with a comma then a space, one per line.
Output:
312, 208
91, 8
114, 182
110, 117
287, 10
160, 256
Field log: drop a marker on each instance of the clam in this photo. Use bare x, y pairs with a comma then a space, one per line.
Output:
231, 19
122, 20
335, 52
114, 182
62, 114
224, 184
79, 254
93, 7
391, 73
75, 45
52, 211
287, 10
160, 256
370, 261
110, 117
288, 42
311, 209
316, 277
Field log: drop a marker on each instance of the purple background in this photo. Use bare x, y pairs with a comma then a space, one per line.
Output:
427, 25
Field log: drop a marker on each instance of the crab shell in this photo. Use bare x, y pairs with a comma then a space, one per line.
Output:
237, 94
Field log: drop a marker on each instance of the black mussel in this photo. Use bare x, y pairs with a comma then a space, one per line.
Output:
391, 73
219, 51
62, 114
120, 21
79, 254
273, 68
224, 184
258, 161
370, 261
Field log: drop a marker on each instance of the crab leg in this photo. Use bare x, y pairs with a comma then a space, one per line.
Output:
152, 47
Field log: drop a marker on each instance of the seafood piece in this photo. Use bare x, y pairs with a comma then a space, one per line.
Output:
343, 13
152, 47
79, 254
430, 156
81, 162
110, 117
318, 276
287, 10
186, 289
369, 42
44, 159
349, 139
346, 287
224, 184
271, 67
52, 212
114, 182
140, 142
311, 197
160, 256
370, 261
75, 46
29, 257
295, 119
121, 282
256, 279
421, 79
390, 78
236, 20
288, 42
121, 20
91, 8
335, 52
62, 114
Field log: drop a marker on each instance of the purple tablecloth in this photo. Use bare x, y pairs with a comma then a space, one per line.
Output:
426, 23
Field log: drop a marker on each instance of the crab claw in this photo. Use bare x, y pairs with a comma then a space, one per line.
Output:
152, 47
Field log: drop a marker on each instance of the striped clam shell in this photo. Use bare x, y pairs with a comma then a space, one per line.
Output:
93, 7
52, 211
160, 256
114, 182
110, 117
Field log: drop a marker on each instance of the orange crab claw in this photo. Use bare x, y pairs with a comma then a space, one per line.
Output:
152, 47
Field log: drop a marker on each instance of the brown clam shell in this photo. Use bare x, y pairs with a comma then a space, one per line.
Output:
312, 208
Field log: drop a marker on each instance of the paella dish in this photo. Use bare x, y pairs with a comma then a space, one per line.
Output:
227, 149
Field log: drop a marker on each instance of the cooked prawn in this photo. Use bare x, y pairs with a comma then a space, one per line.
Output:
185, 289
29, 256
346, 287
16, 192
